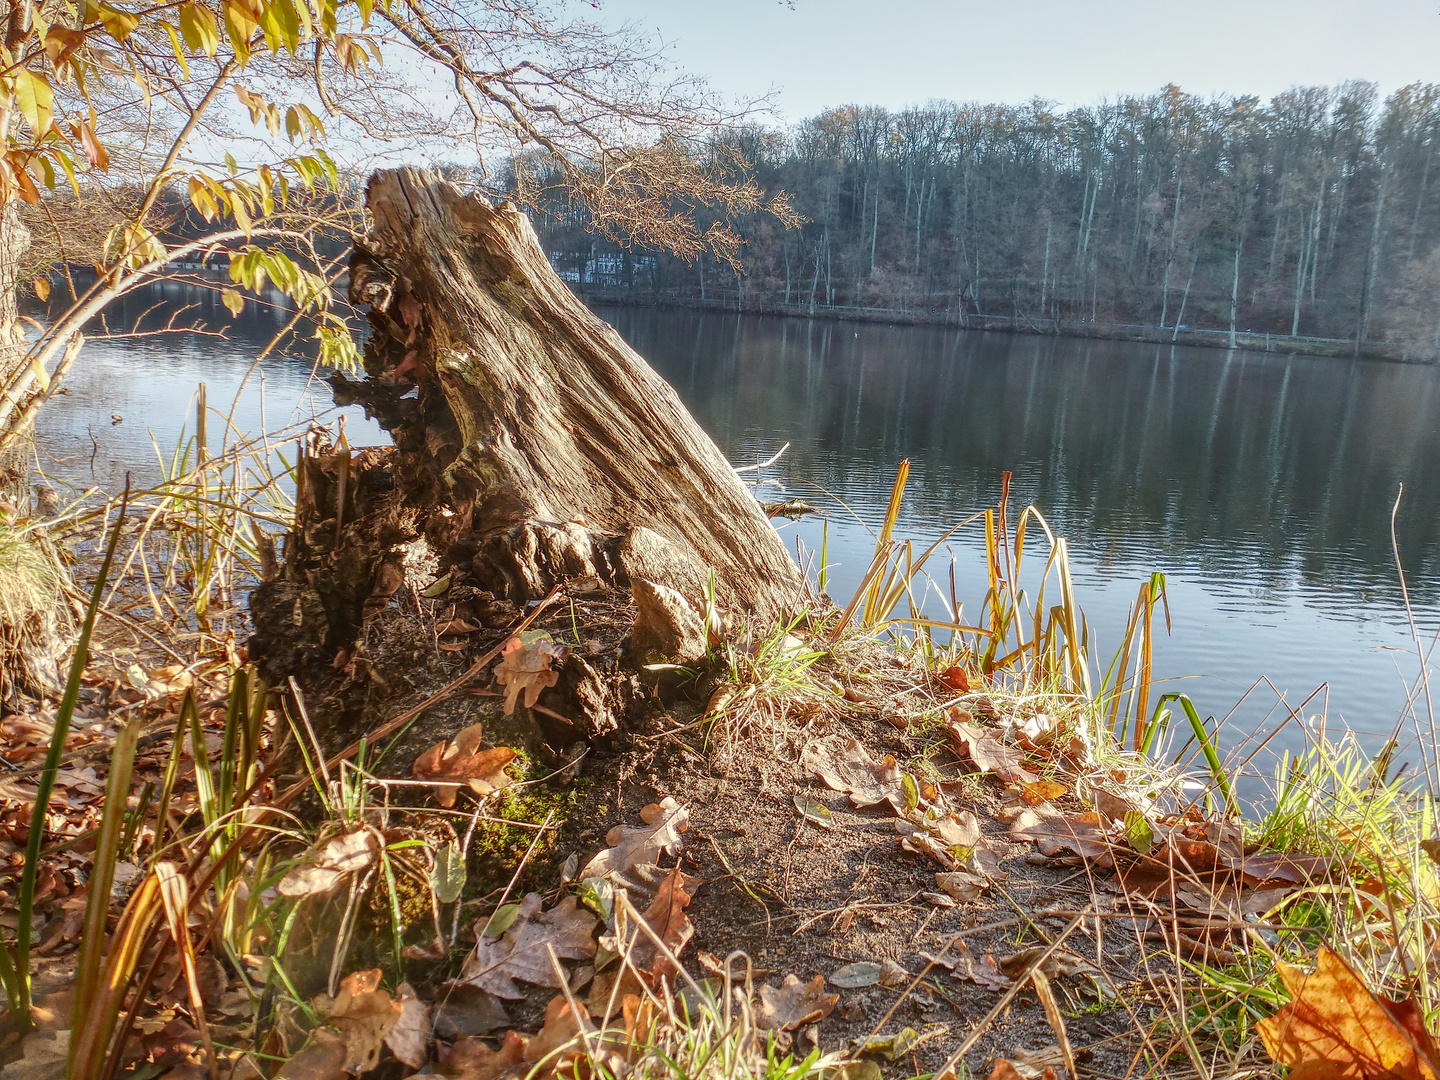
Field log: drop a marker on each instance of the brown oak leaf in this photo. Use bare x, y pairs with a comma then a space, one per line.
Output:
666, 916
560, 1037
988, 753
323, 1058
852, 770
471, 1059
631, 846
525, 665
522, 953
462, 761
1005, 1069
364, 1014
409, 1039
1055, 833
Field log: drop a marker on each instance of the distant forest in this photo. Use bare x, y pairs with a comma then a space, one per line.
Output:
1314, 214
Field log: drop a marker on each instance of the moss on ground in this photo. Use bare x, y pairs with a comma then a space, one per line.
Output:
505, 833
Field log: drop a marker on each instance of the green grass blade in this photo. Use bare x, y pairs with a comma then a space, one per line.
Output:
48, 771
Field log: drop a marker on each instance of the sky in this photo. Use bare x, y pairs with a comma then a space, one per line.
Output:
821, 53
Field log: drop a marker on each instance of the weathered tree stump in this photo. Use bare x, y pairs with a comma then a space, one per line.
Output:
537, 445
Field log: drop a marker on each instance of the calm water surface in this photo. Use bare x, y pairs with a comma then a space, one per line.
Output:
1260, 484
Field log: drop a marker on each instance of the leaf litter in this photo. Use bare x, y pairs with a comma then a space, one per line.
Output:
1193, 864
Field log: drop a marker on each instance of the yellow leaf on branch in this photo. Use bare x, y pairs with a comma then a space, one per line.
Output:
35, 100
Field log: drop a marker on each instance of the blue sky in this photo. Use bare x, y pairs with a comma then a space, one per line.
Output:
820, 53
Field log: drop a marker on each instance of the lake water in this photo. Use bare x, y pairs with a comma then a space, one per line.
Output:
1260, 484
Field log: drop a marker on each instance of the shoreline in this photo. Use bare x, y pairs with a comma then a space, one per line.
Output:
1337, 348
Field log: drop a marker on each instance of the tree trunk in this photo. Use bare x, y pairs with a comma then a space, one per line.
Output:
540, 446
14, 244
1235, 291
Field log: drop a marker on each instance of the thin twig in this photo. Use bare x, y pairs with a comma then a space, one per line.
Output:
989, 1018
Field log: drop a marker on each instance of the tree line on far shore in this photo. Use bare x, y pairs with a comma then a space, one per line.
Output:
1314, 214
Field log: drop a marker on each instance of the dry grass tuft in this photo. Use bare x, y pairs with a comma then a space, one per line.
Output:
35, 621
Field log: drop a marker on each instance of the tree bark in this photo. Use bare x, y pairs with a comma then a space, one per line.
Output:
14, 244
539, 446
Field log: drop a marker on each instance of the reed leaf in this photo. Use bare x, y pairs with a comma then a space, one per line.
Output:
46, 785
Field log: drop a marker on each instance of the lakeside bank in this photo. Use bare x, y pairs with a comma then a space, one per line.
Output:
1346, 348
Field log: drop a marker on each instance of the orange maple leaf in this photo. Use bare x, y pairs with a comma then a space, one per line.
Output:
1335, 1029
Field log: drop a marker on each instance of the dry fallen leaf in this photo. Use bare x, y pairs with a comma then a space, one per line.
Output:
1035, 730
326, 865
462, 761
988, 753
896, 1046
1042, 791
854, 976
631, 846
982, 970
666, 916
1060, 962
521, 952
793, 1004
1273, 866
1054, 833
1034, 1063
461, 1010
952, 839
525, 666
364, 1014
852, 770
892, 974
44, 1055
455, 627
410, 1037
1335, 1029
471, 1059
561, 1033
955, 678
962, 885
1003, 1069
814, 811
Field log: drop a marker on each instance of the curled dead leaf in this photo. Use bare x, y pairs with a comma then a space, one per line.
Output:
631, 846
851, 769
525, 667
326, 865
462, 761
814, 811
955, 678
794, 1003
